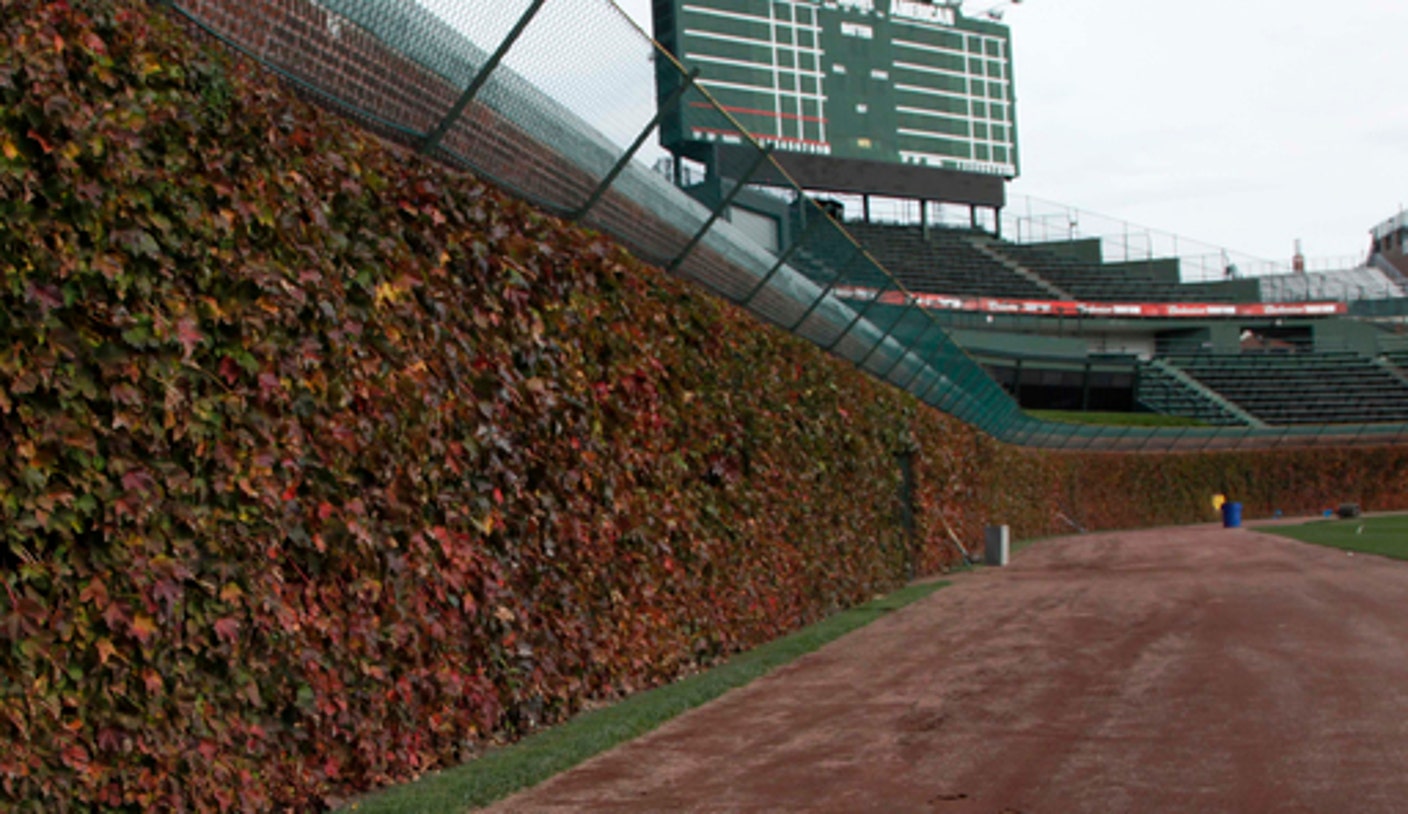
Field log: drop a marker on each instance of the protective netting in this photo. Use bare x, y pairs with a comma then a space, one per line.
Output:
556, 101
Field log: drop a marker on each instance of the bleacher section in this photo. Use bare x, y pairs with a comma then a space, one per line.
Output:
1302, 388
1364, 283
1161, 390
944, 263
1286, 383
1398, 358
1093, 281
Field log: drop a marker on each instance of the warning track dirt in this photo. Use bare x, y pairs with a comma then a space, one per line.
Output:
1194, 669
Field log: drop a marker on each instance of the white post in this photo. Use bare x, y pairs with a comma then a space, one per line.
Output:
999, 546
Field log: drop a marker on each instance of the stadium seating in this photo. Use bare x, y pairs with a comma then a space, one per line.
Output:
945, 262
1101, 282
1399, 359
1302, 388
970, 263
1366, 282
1161, 390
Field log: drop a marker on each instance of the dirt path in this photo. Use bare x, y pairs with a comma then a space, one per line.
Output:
1184, 670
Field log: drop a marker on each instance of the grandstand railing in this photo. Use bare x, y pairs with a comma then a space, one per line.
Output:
555, 101
1034, 220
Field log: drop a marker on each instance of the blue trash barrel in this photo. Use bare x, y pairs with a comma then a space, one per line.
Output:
1231, 515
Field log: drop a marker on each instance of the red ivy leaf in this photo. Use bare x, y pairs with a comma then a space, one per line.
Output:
227, 629
95, 43
76, 757
137, 480
48, 297
95, 592
189, 335
229, 370
115, 615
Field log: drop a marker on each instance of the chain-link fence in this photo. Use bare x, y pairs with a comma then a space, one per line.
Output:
556, 101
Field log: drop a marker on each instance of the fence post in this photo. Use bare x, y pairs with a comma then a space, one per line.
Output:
909, 306
782, 260
907, 351
631, 151
719, 210
432, 140
865, 309
831, 284
923, 366
924, 396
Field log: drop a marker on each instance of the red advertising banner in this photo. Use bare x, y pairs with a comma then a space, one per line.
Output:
1132, 310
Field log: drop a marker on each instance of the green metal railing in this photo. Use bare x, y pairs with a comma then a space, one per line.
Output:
556, 101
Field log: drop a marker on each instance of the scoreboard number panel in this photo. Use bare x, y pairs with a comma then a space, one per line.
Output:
902, 81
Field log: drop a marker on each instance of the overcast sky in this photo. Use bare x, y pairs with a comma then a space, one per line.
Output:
1242, 123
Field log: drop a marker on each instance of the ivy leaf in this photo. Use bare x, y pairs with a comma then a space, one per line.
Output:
94, 593
143, 627
125, 394
47, 297
76, 757
106, 650
116, 616
227, 630
139, 243
137, 480
189, 335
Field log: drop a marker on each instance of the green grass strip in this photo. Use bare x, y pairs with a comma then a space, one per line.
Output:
502, 772
1116, 419
1386, 535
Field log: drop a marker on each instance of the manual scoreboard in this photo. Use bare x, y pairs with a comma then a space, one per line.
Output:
902, 81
